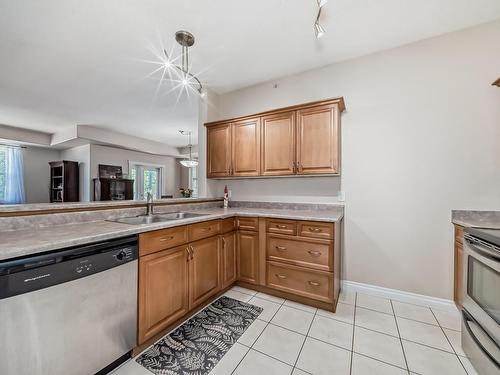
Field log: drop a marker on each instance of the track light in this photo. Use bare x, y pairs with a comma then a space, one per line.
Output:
318, 29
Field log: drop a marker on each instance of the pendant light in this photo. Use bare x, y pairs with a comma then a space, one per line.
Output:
318, 29
188, 163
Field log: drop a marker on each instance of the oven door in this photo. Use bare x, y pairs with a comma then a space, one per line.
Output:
482, 285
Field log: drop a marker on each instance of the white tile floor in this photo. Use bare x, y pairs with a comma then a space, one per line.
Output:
366, 336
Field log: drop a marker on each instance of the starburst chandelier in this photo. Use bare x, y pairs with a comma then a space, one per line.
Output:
318, 29
180, 73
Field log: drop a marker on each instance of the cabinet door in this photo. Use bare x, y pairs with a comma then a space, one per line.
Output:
219, 150
248, 256
278, 144
163, 290
246, 148
203, 270
318, 147
228, 259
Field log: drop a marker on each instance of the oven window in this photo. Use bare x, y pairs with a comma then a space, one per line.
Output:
483, 286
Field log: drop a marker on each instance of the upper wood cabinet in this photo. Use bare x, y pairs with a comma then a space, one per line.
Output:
246, 148
278, 144
298, 140
318, 140
219, 150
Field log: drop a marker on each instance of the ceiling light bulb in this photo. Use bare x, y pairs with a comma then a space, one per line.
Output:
184, 81
203, 94
322, 3
319, 30
167, 64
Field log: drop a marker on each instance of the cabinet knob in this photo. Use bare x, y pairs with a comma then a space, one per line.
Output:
314, 253
279, 276
314, 283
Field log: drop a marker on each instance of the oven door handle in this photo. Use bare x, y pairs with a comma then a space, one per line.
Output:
491, 253
469, 320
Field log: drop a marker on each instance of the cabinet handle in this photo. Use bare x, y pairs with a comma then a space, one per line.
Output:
280, 226
314, 253
207, 229
223, 243
280, 248
280, 276
166, 238
314, 283
300, 166
315, 230
192, 251
189, 253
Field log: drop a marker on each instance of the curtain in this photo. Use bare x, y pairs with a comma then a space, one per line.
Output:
14, 180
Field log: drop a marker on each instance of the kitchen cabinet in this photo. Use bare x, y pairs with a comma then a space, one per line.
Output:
298, 140
245, 153
219, 150
318, 140
203, 270
248, 256
163, 290
228, 259
278, 144
459, 258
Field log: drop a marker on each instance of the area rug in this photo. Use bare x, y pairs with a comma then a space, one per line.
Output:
197, 346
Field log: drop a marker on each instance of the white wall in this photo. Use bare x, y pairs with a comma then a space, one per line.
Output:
37, 173
81, 154
117, 156
421, 136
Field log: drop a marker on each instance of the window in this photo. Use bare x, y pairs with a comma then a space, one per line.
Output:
147, 178
3, 168
193, 181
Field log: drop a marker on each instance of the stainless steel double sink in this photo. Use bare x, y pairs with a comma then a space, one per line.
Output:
156, 218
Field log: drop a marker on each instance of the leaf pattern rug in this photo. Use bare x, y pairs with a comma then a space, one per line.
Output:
196, 346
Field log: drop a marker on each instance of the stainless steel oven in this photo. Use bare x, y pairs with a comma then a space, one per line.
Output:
481, 303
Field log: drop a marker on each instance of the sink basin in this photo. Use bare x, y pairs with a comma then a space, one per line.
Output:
156, 218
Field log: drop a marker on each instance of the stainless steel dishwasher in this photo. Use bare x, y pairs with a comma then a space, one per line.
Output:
69, 312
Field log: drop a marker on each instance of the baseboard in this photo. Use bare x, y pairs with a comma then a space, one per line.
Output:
399, 295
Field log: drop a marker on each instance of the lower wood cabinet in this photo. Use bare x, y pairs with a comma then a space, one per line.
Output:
203, 270
228, 259
248, 256
163, 290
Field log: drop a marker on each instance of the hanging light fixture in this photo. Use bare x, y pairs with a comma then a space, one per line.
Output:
188, 163
318, 29
185, 78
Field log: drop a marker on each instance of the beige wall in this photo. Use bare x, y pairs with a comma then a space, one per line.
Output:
37, 173
421, 136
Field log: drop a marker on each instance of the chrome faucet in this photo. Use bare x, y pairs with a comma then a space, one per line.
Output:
149, 204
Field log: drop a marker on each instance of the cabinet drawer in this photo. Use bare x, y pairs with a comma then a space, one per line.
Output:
227, 225
292, 279
151, 242
203, 230
301, 253
281, 226
315, 229
248, 223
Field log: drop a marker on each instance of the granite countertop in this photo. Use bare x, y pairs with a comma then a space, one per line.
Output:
24, 242
476, 219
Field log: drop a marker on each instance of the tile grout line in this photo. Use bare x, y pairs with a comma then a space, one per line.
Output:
400, 339
251, 347
304, 342
353, 331
449, 342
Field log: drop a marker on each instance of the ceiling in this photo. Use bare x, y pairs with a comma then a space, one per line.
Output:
68, 62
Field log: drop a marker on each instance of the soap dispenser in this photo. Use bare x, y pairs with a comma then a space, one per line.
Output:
226, 197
